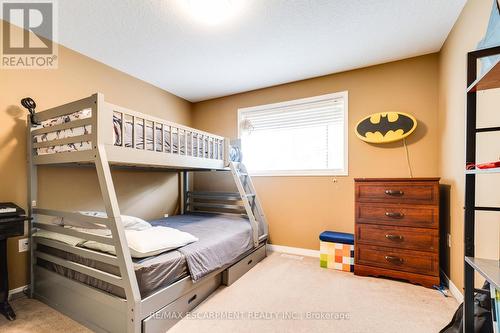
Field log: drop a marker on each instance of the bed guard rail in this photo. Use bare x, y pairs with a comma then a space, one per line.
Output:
229, 202
73, 131
141, 131
114, 279
77, 120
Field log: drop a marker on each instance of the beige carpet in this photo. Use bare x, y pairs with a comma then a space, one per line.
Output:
33, 316
285, 294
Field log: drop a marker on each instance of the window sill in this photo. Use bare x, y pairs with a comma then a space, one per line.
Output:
299, 173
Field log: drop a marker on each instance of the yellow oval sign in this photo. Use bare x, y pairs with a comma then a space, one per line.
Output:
385, 127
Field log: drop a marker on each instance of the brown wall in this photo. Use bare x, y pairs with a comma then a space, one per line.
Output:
467, 32
299, 208
143, 194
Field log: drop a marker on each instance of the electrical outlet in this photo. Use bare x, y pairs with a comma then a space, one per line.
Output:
24, 245
33, 203
449, 240
165, 215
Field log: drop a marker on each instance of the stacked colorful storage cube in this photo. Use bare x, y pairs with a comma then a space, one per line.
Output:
337, 250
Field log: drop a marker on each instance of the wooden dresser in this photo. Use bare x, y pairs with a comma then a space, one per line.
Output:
397, 229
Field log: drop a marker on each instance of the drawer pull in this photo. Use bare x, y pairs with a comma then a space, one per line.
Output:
250, 261
394, 260
394, 192
396, 215
394, 237
192, 298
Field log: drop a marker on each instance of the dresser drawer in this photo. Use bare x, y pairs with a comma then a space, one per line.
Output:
400, 237
398, 192
398, 259
398, 215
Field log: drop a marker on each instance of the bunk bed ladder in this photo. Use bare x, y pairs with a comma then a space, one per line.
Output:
249, 198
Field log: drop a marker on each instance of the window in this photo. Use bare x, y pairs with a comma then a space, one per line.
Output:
301, 137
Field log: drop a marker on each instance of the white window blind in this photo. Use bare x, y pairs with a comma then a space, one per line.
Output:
300, 137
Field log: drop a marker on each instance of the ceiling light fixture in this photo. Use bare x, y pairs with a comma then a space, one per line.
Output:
212, 12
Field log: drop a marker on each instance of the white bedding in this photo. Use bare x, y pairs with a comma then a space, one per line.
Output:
70, 240
147, 243
143, 239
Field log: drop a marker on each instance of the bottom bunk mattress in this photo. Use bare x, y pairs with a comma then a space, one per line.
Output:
152, 273
222, 240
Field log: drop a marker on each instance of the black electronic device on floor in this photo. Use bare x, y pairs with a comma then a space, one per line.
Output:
12, 219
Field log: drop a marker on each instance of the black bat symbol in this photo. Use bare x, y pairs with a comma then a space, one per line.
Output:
402, 123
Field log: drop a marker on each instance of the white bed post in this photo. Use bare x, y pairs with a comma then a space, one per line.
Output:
113, 211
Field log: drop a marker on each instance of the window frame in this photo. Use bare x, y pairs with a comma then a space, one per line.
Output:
303, 172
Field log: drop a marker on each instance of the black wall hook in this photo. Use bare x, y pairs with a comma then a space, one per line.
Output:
30, 104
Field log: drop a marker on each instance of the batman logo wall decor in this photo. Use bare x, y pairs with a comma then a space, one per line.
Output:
386, 127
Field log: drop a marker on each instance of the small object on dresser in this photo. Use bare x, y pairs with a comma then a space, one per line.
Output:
488, 165
337, 250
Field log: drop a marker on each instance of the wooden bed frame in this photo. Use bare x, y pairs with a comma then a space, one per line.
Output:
97, 309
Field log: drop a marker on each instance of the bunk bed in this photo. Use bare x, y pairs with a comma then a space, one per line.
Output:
115, 292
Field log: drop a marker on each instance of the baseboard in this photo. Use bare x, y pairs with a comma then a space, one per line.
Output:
455, 292
16, 291
453, 289
293, 250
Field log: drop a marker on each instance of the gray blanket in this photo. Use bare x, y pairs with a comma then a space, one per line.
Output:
222, 239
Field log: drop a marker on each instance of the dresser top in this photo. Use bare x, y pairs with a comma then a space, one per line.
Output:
417, 179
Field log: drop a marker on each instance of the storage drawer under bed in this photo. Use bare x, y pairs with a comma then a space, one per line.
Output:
233, 273
166, 317
162, 320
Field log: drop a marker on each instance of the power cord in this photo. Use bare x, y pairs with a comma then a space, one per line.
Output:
407, 158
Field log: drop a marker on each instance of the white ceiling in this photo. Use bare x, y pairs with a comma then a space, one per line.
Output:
268, 43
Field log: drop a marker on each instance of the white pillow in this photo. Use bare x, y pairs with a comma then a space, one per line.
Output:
70, 240
148, 242
129, 222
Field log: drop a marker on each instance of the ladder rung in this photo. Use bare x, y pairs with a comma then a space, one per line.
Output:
213, 205
250, 195
243, 174
215, 195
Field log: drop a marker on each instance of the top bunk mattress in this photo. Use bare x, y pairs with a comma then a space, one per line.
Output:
215, 233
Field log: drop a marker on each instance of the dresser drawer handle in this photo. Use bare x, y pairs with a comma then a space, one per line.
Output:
394, 260
394, 192
396, 215
394, 237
